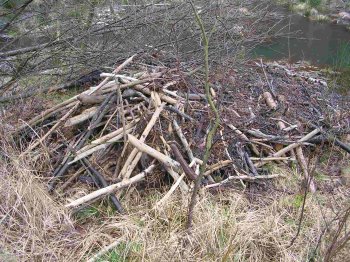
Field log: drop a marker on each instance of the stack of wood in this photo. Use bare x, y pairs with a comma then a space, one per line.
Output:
117, 117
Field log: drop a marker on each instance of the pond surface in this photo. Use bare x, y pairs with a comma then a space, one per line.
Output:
320, 43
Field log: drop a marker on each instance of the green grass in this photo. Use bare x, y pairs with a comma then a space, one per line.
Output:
315, 3
87, 213
342, 65
130, 251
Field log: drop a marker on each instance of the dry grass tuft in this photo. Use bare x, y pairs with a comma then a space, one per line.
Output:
227, 226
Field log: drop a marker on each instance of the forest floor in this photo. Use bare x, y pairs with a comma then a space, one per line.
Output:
255, 219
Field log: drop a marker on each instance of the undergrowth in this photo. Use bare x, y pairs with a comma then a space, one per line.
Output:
227, 226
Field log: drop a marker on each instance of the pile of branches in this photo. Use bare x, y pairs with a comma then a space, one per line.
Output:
145, 121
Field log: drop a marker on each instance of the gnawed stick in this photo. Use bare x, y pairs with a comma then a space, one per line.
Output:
247, 178
61, 170
115, 71
273, 105
135, 155
71, 179
178, 156
270, 101
244, 138
177, 111
217, 166
91, 150
170, 192
101, 182
183, 140
303, 166
85, 115
165, 160
173, 187
90, 99
60, 122
163, 97
230, 158
183, 186
169, 164
111, 189
294, 145
250, 164
71, 102
109, 136
267, 159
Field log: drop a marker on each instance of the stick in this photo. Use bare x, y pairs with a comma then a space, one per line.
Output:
105, 250
248, 178
64, 118
266, 159
115, 71
217, 166
188, 171
303, 165
177, 111
102, 110
85, 115
135, 156
163, 97
173, 187
245, 138
101, 182
170, 192
270, 101
167, 161
183, 140
91, 150
294, 145
110, 189
230, 158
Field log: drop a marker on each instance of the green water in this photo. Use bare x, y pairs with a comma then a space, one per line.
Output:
323, 44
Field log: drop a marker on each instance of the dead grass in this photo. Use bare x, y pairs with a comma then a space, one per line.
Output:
227, 227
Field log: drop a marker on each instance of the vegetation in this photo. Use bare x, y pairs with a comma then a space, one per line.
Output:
197, 44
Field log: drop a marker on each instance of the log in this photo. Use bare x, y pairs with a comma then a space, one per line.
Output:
270, 101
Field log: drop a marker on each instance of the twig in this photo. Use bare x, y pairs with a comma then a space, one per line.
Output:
105, 250
243, 177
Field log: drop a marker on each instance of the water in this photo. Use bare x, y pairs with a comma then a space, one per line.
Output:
321, 44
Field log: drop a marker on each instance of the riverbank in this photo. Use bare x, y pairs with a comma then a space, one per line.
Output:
336, 12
